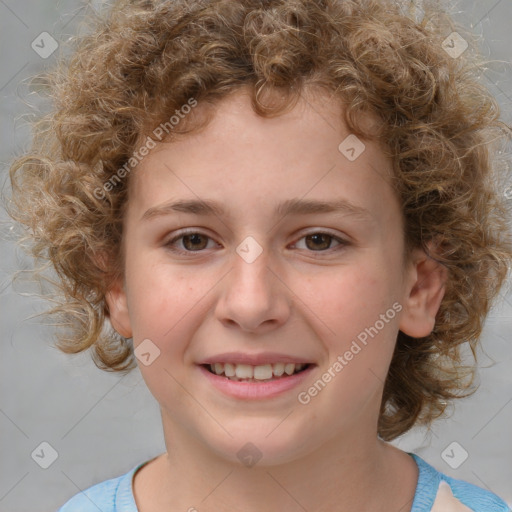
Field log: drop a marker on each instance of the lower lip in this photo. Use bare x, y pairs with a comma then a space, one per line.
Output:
256, 390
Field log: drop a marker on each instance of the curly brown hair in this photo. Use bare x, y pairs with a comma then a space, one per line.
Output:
147, 58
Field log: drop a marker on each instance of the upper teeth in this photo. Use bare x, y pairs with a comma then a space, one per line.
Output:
262, 372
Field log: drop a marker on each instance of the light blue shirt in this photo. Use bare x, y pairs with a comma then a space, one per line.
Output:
116, 495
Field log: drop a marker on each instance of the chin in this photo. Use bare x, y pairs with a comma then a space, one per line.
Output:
259, 445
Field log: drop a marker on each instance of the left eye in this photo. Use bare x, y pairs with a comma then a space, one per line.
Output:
321, 241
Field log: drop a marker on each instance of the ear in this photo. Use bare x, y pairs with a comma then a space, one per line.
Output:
118, 309
424, 292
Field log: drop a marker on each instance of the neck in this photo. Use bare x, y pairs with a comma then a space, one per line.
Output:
356, 472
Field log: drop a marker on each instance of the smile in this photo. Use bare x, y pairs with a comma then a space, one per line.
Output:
260, 373
255, 382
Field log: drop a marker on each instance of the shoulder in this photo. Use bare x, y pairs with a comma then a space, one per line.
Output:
100, 496
114, 495
475, 497
438, 492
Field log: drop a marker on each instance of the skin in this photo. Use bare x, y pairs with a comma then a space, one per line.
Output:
300, 297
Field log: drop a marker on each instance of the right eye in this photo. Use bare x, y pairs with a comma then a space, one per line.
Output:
192, 241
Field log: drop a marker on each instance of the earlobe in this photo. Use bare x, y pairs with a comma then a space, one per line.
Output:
424, 293
118, 310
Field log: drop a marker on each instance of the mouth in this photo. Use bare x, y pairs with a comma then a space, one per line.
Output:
260, 373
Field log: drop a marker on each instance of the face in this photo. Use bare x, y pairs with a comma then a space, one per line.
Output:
271, 276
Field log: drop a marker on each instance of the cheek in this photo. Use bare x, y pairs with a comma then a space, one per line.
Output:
347, 300
167, 305
355, 307
164, 309
348, 305
160, 300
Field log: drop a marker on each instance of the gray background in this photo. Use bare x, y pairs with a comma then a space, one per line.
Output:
101, 424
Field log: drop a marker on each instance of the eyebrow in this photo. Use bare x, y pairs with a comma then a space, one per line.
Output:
289, 207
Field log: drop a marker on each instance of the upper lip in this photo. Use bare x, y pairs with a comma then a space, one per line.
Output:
253, 359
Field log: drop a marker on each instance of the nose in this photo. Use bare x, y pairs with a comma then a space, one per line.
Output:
254, 297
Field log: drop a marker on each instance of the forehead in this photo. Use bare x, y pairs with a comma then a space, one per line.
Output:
305, 152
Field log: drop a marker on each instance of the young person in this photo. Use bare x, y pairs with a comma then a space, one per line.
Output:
288, 213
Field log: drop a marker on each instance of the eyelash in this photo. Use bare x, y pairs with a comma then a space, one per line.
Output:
169, 244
